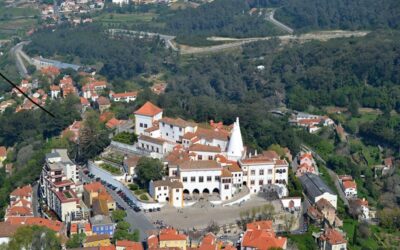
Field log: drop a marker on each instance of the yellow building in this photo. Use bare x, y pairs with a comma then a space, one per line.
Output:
168, 237
96, 191
101, 240
3, 154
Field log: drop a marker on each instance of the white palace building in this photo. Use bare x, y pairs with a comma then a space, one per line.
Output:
204, 158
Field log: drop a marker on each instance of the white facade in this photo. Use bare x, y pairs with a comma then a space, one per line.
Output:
171, 131
200, 181
155, 145
258, 173
143, 122
235, 147
350, 192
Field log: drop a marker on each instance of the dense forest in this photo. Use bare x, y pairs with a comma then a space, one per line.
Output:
222, 18
339, 14
91, 44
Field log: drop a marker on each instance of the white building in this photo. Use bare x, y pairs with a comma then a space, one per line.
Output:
235, 146
261, 171
316, 189
146, 116
291, 203
123, 97
58, 182
349, 186
167, 190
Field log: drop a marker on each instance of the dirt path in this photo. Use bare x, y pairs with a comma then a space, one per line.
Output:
238, 42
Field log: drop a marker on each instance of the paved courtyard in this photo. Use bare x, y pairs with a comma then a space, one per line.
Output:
202, 213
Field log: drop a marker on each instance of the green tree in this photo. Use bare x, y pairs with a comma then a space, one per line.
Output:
118, 215
149, 169
35, 238
76, 240
93, 137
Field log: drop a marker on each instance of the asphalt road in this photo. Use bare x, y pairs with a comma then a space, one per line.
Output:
15, 52
270, 17
137, 220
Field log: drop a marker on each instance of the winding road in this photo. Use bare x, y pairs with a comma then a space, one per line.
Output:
16, 53
270, 17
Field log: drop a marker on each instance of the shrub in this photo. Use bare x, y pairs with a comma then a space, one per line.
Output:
133, 187
144, 197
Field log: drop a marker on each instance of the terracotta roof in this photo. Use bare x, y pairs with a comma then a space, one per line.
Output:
270, 154
361, 202
124, 95
113, 122
131, 161
260, 225
97, 237
261, 236
3, 151
209, 242
7, 229
388, 161
106, 116
333, 236
148, 109
210, 134
24, 191
129, 245
19, 211
349, 184
177, 122
234, 167
94, 187
257, 160
103, 101
170, 234
225, 173
50, 224
204, 148
152, 241
158, 141
84, 101
196, 165
50, 70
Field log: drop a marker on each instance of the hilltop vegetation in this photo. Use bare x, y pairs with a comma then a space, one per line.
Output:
339, 14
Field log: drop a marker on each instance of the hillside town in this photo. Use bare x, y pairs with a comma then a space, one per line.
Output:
205, 166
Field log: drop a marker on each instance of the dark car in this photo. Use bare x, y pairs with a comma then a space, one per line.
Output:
136, 209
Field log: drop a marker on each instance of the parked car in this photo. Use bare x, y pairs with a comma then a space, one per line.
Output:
136, 209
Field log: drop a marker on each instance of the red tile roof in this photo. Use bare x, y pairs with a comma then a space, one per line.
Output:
3, 151
113, 122
24, 191
333, 236
103, 101
204, 148
129, 245
50, 224
84, 101
148, 109
168, 234
349, 184
94, 187
124, 95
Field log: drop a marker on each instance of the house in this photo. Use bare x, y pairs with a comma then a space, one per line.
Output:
84, 103
260, 235
72, 132
80, 227
57, 226
167, 190
20, 203
145, 116
359, 208
55, 91
332, 239
316, 189
123, 97
102, 224
50, 71
7, 231
96, 191
349, 189
103, 103
167, 238
130, 163
3, 154
97, 241
327, 210
388, 165
128, 245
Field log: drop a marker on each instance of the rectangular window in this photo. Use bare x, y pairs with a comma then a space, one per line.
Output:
216, 178
141, 125
165, 188
253, 172
201, 179
261, 171
226, 186
171, 126
177, 190
193, 179
209, 178
159, 188
269, 181
180, 129
200, 157
260, 182
210, 157
174, 172
269, 171
252, 182
184, 179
